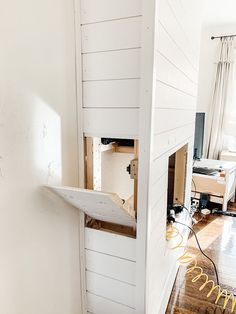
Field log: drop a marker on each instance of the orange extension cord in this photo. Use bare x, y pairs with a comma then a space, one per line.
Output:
190, 259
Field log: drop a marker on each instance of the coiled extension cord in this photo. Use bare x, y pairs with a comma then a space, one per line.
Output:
189, 259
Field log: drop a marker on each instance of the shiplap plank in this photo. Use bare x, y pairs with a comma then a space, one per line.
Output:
99, 305
102, 10
158, 189
158, 216
157, 257
159, 167
110, 243
111, 35
168, 19
106, 122
110, 266
172, 98
164, 142
110, 65
111, 289
113, 94
187, 13
167, 47
160, 281
168, 119
169, 74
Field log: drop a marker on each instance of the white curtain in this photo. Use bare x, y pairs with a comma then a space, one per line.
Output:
220, 102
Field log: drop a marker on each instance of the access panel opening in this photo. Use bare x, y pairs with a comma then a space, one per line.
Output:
111, 166
177, 170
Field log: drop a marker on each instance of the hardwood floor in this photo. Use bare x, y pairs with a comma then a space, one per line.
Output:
217, 236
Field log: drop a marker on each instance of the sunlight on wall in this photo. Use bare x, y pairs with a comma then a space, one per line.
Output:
47, 142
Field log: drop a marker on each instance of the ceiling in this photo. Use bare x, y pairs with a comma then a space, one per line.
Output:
219, 12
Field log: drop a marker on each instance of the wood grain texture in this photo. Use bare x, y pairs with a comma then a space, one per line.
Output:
217, 236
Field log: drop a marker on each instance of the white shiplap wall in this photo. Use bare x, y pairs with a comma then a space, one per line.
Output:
110, 59
111, 48
176, 72
110, 273
139, 80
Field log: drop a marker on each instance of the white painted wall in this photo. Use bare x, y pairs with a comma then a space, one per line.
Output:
39, 265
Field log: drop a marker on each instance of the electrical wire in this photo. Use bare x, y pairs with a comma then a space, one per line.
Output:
191, 260
200, 249
189, 212
195, 235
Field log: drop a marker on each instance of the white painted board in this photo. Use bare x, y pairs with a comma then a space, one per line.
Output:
110, 65
169, 74
100, 305
111, 122
166, 141
111, 244
169, 97
111, 35
111, 289
170, 22
170, 119
102, 10
111, 266
98, 205
168, 47
111, 94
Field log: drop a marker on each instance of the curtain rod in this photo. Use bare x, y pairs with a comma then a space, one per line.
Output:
215, 37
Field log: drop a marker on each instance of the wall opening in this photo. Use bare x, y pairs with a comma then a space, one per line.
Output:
111, 167
177, 170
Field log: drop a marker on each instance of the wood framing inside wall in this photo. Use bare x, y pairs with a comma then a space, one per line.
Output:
88, 163
136, 179
93, 160
180, 174
93, 163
